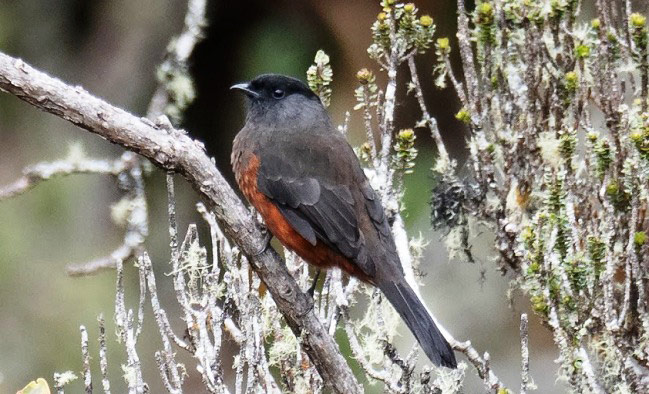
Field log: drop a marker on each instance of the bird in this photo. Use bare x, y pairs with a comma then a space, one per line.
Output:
304, 179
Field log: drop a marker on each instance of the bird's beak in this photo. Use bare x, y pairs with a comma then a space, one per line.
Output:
245, 87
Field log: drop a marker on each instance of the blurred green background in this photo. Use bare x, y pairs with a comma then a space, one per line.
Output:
112, 48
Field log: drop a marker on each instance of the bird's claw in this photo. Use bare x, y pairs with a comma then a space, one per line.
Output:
265, 243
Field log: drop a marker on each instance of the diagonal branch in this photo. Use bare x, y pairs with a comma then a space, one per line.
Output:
172, 150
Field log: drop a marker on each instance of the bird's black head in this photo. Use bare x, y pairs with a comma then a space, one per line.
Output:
282, 103
274, 87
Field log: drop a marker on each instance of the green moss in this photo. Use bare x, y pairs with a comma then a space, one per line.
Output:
603, 156
405, 151
426, 21
364, 76
483, 18
612, 189
618, 196
443, 44
578, 273
463, 116
539, 305
571, 79
534, 268
595, 24
484, 14
527, 235
567, 145
582, 51
637, 20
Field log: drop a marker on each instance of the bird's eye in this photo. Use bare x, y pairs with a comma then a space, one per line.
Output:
278, 93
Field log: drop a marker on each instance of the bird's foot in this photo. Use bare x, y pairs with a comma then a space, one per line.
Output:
265, 243
264, 231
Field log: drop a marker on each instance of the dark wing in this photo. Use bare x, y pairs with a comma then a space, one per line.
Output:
316, 207
375, 210
373, 207
316, 181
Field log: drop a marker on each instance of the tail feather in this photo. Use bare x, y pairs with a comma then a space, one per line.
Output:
413, 312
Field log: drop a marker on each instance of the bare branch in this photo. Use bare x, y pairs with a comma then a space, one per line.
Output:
429, 120
37, 173
124, 252
137, 228
525, 355
481, 364
169, 98
87, 378
103, 361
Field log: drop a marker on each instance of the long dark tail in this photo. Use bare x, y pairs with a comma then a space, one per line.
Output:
406, 302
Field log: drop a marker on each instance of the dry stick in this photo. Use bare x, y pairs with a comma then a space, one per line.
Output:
602, 12
380, 375
140, 305
173, 224
162, 319
372, 140
591, 378
178, 278
126, 334
163, 368
468, 65
481, 364
487, 369
87, 378
61, 379
387, 123
137, 227
430, 121
178, 53
401, 241
172, 379
216, 234
457, 85
525, 355
103, 361
37, 173
122, 253
631, 260
173, 150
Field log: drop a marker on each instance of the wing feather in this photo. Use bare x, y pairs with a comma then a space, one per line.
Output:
321, 190
316, 210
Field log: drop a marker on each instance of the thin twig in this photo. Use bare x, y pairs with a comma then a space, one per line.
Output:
137, 225
525, 355
481, 365
172, 377
103, 360
37, 173
87, 377
429, 120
